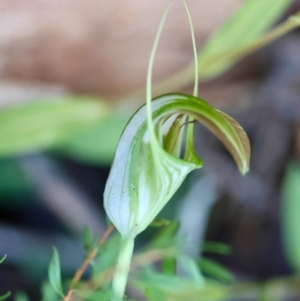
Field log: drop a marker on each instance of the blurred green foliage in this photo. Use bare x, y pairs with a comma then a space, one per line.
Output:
5, 296
96, 144
87, 128
47, 123
14, 186
21, 297
246, 26
290, 214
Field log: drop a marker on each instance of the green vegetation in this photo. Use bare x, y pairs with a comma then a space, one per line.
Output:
153, 156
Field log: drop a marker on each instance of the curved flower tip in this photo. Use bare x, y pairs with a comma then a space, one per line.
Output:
242, 153
147, 171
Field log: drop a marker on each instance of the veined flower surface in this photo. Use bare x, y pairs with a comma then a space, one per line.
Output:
146, 172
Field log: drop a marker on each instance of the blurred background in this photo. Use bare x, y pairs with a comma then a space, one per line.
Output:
71, 75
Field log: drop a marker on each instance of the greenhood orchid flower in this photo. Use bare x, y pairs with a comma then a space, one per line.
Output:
155, 154
148, 168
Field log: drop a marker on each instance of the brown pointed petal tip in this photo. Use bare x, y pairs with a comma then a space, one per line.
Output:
242, 152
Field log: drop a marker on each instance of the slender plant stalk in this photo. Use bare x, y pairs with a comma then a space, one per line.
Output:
122, 268
127, 244
86, 262
190, 129
184, 77
149, 75
196, 83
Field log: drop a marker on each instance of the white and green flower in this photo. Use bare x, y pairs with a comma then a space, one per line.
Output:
148, 168
155, 154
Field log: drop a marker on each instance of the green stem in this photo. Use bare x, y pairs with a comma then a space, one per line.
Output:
184, 77
195, 93
149, 78
122, 268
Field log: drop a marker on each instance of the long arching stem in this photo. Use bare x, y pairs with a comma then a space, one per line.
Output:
127, 244
149, 76
122, 268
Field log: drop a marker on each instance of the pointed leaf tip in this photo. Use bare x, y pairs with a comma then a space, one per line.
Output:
54, 273
5, 296
3, 258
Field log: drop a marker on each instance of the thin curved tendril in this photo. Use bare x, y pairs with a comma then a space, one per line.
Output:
190, 128
149, 76
195, 93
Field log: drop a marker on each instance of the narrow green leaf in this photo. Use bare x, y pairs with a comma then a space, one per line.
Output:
169, 266
290, 210
54, 273
191, 269
3, 297
20, 296
47, 292
215, 247
3, 258
167, 287
215, 270
88, 240
48, 123
152, 295
160, 222
166, 234
94, 296
245, 27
